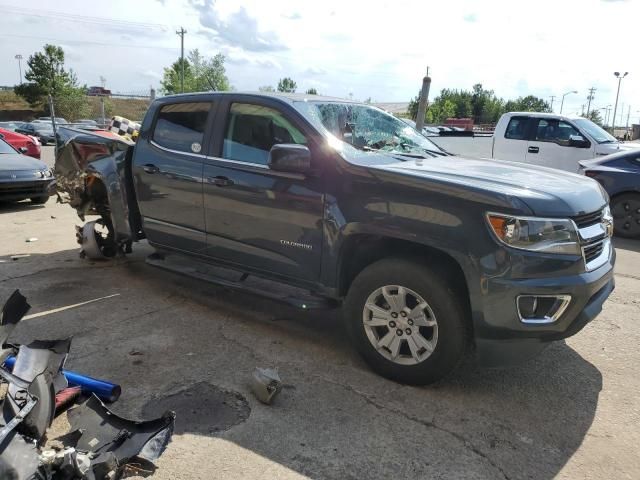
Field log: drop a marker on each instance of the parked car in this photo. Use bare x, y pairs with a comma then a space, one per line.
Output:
426, 130
42, 131
59, 120
23, 143
23, 177
428, 254
9, 125
544, 139
619, 174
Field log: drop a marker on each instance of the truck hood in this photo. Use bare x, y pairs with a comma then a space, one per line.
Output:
547, 192
609, 148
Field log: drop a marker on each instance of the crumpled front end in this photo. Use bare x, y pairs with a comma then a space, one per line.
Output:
91, 175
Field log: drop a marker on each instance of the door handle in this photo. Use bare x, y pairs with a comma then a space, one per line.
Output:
220, 181
150, 168
533, 149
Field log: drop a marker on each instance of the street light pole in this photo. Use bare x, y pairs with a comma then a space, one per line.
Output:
19, 58
615, 109
564, 95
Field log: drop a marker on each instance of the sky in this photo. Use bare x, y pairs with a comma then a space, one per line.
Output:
378, 49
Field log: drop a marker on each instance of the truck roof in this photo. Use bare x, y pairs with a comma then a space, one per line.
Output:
289, 97
541, 115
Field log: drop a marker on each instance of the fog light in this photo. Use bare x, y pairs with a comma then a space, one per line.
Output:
541, 309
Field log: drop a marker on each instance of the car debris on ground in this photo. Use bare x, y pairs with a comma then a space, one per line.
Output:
100, 444
266, 384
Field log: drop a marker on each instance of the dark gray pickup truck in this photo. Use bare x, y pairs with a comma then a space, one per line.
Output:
319, 202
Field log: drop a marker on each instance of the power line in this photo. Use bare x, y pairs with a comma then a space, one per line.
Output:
79, 18
85, 42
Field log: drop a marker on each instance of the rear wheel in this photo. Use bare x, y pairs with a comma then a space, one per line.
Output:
39, 200
406, 321
625, 209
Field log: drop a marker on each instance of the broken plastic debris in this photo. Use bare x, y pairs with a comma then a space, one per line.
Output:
266, 384
31, 239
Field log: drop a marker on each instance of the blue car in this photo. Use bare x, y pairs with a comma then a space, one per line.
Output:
619, 174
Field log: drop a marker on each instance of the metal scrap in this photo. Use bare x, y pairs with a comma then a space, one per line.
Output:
100, 444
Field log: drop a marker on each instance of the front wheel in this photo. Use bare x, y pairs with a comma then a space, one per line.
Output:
625, 209
406, 321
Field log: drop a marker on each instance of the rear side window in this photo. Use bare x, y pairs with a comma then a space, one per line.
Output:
253, 129
180, 126
517, 128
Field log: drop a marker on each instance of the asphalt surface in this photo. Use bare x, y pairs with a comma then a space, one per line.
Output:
173, 342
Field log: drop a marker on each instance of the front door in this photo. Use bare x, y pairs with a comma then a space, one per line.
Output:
167, 171
256, 217
550, 145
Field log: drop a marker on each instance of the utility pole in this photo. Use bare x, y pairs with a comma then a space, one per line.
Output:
19, 58
589, 98
181, 32
553, 97
422, 104
626, 129
615, 109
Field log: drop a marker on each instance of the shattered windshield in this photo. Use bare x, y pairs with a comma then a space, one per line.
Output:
369, 128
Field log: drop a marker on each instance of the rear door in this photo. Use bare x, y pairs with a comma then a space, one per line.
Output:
513, 145
167, 170
550, 145
257, 217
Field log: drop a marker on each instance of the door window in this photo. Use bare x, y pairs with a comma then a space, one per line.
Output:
517, 128
253, 129
180, 126
555, 131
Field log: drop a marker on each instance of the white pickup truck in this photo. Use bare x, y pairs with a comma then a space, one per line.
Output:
545, 139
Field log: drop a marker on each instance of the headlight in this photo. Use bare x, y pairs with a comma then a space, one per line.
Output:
548, 235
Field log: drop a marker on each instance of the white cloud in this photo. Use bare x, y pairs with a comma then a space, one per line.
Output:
378, 48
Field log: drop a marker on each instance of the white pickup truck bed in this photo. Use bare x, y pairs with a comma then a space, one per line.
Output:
466, 146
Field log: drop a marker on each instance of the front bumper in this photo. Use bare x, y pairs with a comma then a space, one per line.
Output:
20, 189
501, 337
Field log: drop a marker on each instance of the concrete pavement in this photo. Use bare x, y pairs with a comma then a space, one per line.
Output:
168, 340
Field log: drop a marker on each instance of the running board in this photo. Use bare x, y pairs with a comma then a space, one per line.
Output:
244, 282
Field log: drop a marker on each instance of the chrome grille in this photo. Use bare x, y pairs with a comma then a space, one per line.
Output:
588, 219
592, 251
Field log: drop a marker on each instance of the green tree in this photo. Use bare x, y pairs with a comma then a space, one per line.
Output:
311, 91
200, 74
266, 88
287, 85
595, 116
530, 103
46, 75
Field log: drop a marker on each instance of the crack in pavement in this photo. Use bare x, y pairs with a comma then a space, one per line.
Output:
430, 424
52, 269
627, 275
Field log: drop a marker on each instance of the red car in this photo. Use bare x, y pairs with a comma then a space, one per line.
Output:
23, 143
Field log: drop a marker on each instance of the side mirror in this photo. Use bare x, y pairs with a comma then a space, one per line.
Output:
23, 150
579, 141
289, 157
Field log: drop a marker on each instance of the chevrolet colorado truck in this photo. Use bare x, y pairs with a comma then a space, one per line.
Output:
321, 202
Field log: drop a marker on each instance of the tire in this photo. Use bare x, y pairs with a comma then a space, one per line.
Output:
448, 338
625, 209
39, 200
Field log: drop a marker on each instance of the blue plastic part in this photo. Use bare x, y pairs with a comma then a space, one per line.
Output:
106, 391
